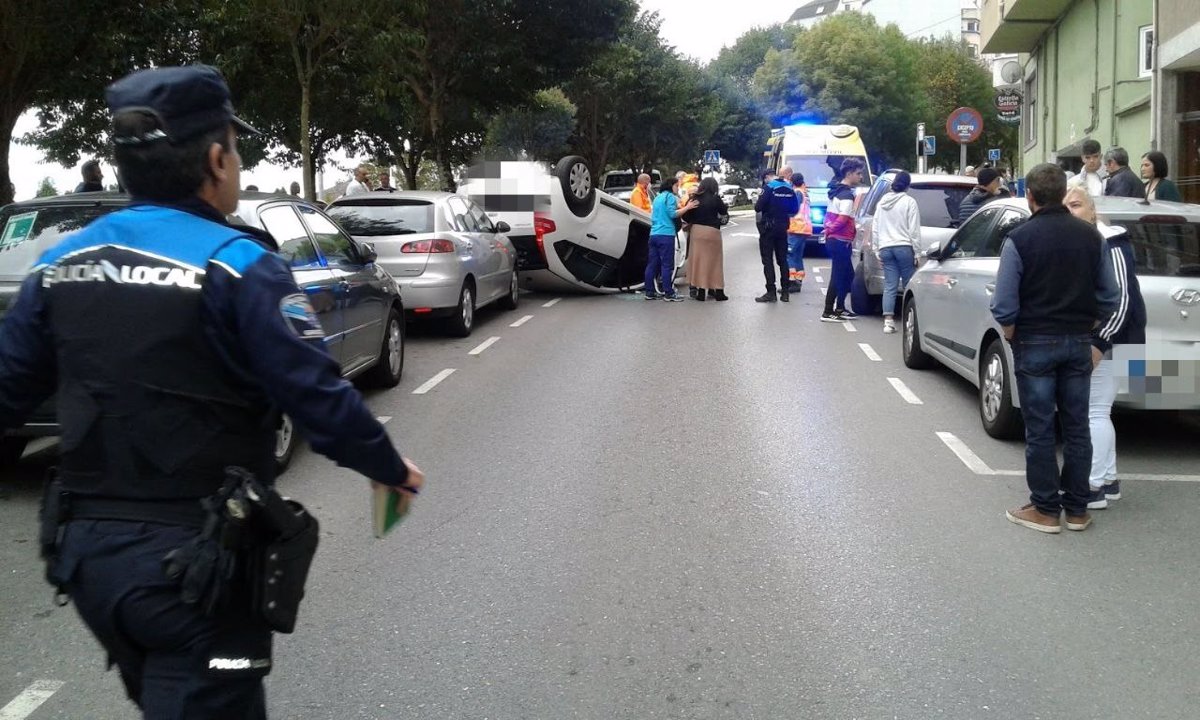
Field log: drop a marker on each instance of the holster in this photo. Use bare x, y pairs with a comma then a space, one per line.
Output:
52, 519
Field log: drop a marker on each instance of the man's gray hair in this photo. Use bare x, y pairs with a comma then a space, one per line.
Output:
1117, 155
1046, 184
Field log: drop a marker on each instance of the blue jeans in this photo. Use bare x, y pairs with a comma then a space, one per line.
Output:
897, 266
795, 257
661, 264
1055, 371
841, 273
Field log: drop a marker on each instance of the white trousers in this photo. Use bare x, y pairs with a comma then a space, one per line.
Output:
1104, 436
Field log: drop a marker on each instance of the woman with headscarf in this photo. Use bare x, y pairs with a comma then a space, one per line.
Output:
706, 260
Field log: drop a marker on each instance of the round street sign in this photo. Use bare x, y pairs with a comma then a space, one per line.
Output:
964, 125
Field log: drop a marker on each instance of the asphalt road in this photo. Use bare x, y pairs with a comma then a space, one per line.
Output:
721, 510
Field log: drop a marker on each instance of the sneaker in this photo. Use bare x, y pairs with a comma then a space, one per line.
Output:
1079, 523
651, 296
1097, 500
1034, 519
766, 298
1112, 490
847, 314
889, 326
832, 317
672, 298
783, 296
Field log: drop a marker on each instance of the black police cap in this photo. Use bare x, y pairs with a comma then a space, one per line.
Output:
187, 101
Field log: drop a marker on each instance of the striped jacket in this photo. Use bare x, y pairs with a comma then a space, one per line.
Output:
1127, 326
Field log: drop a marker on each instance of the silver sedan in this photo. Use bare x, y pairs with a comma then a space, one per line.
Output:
447, 256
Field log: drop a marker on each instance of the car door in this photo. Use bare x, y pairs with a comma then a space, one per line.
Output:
316, 280
493, 263
938, 311
362, 303
469, 231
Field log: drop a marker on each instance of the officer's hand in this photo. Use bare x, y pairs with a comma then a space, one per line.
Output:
416, 478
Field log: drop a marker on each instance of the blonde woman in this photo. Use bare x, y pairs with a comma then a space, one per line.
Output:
1126, 327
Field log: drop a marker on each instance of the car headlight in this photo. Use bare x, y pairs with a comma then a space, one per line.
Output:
818, 215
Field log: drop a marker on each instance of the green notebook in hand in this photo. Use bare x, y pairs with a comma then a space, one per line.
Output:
388, 508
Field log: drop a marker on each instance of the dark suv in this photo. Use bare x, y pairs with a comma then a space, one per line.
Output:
357, 302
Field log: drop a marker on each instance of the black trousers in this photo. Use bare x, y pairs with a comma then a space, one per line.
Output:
175, 662
773, 248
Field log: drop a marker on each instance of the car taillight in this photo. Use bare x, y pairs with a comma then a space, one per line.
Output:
428, 246
541, 226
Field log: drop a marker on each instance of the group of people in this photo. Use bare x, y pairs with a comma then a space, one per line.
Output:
362, 182
1110, 174
684, 202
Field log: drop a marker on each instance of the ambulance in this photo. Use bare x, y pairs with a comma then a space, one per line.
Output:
817, 152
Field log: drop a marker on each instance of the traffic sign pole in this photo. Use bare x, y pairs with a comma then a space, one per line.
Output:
964, 126
921, 148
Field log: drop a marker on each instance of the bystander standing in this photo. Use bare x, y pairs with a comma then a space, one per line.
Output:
1122, 181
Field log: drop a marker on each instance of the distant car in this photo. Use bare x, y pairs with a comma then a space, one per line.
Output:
584, 239
734, 195
357, 302
753, 193
621, 193
948, 320
618, 179
448, 257
938, 198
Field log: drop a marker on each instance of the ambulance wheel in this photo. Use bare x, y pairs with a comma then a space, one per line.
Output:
577, 186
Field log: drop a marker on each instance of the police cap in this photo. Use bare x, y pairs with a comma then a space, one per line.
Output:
186, 101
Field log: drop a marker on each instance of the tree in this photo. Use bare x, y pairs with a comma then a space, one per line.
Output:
739, 61
539, 130
46, 188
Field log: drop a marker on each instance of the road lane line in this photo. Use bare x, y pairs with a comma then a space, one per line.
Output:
485, 345
30, 699
522, 321
383, 419
870, 352
1159, 478
849, 326
552, 303
909, 396
973, 462
820, 279
433, 381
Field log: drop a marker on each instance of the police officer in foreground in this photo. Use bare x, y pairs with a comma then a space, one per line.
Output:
775, 206
163, 385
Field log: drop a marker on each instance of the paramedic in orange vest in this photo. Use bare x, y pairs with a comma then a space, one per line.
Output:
640, 197
800, 229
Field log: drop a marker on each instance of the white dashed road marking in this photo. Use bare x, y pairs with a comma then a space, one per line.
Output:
908, 395
30, 699
552, 303
973, 462
870, 352
522, 321
849, 326
820, 279
485, 345
433, 381
383, 419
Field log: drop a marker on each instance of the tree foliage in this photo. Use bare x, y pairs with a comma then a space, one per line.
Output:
539, 130
740, 61
46, 188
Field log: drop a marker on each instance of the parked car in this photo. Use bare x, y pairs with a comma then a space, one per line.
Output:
448, 256
734, 195
616, 179
584, 238
357, 302
938, 198
620, 193
948, 320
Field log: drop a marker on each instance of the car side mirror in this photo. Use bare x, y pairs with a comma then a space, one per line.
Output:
367, 250
933, 250
503, 227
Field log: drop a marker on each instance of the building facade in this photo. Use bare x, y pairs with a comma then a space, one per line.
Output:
1177, 79
1085, 72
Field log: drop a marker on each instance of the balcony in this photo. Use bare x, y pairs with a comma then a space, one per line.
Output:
1010, 26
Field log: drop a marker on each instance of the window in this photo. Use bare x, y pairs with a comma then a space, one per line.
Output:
1169, 246
463, 220
1029, 117
938, 205
1146, 51
969, 240
1010, 220
290, 235
374, 219
972, 26
973, 50
482, 221
335, 245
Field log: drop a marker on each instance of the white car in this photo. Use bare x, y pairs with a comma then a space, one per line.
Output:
582, 239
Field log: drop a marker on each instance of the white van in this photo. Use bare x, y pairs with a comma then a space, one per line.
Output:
817, 152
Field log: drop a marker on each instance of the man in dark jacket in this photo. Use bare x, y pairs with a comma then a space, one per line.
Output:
93, 178
1054, 286
987, 191
1122, 181
776, 206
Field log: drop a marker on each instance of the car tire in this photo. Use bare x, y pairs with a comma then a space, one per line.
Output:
285, 443
11, 450
910, 334
463, 320
1000, 419
577, 185
388, 369
861, 301
512, 298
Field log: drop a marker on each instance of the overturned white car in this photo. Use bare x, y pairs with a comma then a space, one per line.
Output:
568, 235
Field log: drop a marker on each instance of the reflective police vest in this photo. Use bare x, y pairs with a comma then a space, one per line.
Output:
148, 408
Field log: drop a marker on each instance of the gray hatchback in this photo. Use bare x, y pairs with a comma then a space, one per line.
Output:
948, 320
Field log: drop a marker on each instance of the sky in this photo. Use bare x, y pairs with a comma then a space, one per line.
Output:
697, 28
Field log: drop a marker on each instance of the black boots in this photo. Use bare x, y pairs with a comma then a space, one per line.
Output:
783, 294
718, 295
767, 297
699, 294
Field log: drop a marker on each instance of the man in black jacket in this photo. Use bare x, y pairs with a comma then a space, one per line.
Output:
987, 191
1122, 181
1055, 285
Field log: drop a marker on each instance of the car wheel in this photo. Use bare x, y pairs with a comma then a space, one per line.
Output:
861, 301
463, 321
11, 450
1000, 419
285, 443
914, 356
386, 371
513, 298
578, 189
